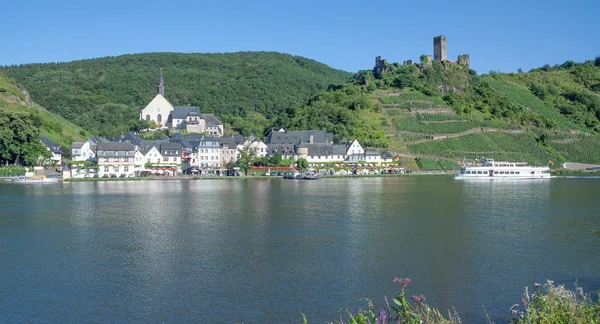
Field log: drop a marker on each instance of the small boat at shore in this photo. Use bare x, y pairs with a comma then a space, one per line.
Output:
493, 170
310, 177
34, 179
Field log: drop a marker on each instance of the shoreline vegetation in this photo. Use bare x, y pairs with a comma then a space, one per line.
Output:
546, 303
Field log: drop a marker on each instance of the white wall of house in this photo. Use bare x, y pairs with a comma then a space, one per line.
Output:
83, 153
153, 156
325, 158
355, 148
208, 157
259, 147
116, 165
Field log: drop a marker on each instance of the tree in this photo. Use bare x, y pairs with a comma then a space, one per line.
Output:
423, 59
302, 164
152, 125
246, 159
275, 159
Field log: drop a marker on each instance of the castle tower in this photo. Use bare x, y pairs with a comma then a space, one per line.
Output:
439, 48
161, 85
467, 60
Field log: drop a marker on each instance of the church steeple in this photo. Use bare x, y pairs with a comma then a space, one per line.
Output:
161, 85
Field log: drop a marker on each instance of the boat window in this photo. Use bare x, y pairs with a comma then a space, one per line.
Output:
479, 172
485, 172
495, 172
518, 172
468, 172
512, 172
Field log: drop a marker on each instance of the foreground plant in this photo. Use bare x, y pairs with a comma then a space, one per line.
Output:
401, 311
551, 304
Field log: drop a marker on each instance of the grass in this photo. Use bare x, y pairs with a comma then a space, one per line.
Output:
547, 304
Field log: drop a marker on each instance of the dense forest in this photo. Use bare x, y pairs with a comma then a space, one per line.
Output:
246, 90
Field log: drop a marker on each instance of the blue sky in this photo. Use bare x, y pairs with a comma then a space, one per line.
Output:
499, 35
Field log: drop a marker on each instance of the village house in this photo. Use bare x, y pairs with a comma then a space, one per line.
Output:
254, 145
115, 159
208, 153
171, 153
84, 151
228, 150
54, 149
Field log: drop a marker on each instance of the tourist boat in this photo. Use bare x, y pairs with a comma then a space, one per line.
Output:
294, 175
311, 177
493, 170
34, 179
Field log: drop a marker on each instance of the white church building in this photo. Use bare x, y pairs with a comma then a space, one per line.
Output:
187, 118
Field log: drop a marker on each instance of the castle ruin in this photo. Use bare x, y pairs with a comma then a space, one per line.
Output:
440, 54
439, 48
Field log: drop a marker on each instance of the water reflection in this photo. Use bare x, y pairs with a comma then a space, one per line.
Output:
178, 251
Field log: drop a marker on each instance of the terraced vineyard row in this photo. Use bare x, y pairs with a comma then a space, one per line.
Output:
428, 164
500, 146
586, 150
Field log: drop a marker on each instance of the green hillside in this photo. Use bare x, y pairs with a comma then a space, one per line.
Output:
246, 90
442, 113
23, 121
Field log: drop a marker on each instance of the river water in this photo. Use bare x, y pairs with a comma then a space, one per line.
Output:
263, 251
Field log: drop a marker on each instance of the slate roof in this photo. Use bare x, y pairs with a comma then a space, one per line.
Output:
210, 118
111, 149
162, 138
180, 112
371, 152
284, 149
194, 137
294, 137
132, 138
146, 146
77, 145
339, 150
170, 149
388, 155
228, 141
54, 148
209, 142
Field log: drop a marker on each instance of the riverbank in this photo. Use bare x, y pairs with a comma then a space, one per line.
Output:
257, 177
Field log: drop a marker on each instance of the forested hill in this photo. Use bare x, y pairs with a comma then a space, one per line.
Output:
245, 90
22, 122
443, 112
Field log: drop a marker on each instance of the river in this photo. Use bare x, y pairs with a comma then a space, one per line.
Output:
263, 251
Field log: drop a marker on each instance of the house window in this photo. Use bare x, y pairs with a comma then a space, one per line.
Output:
147, 117
105, 169
116, 153
126, 168
159, 118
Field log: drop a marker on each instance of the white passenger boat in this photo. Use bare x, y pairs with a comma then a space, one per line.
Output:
493, 170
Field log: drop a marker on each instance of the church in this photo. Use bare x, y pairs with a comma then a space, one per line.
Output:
180, 118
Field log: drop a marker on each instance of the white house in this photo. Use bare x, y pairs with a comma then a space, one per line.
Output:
208, 153
82, 151
53, 148
150, 152
115, 159
255, 145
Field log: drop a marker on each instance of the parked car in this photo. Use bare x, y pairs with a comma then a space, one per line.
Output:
281, 174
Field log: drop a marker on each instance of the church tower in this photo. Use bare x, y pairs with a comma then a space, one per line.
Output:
161, 85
